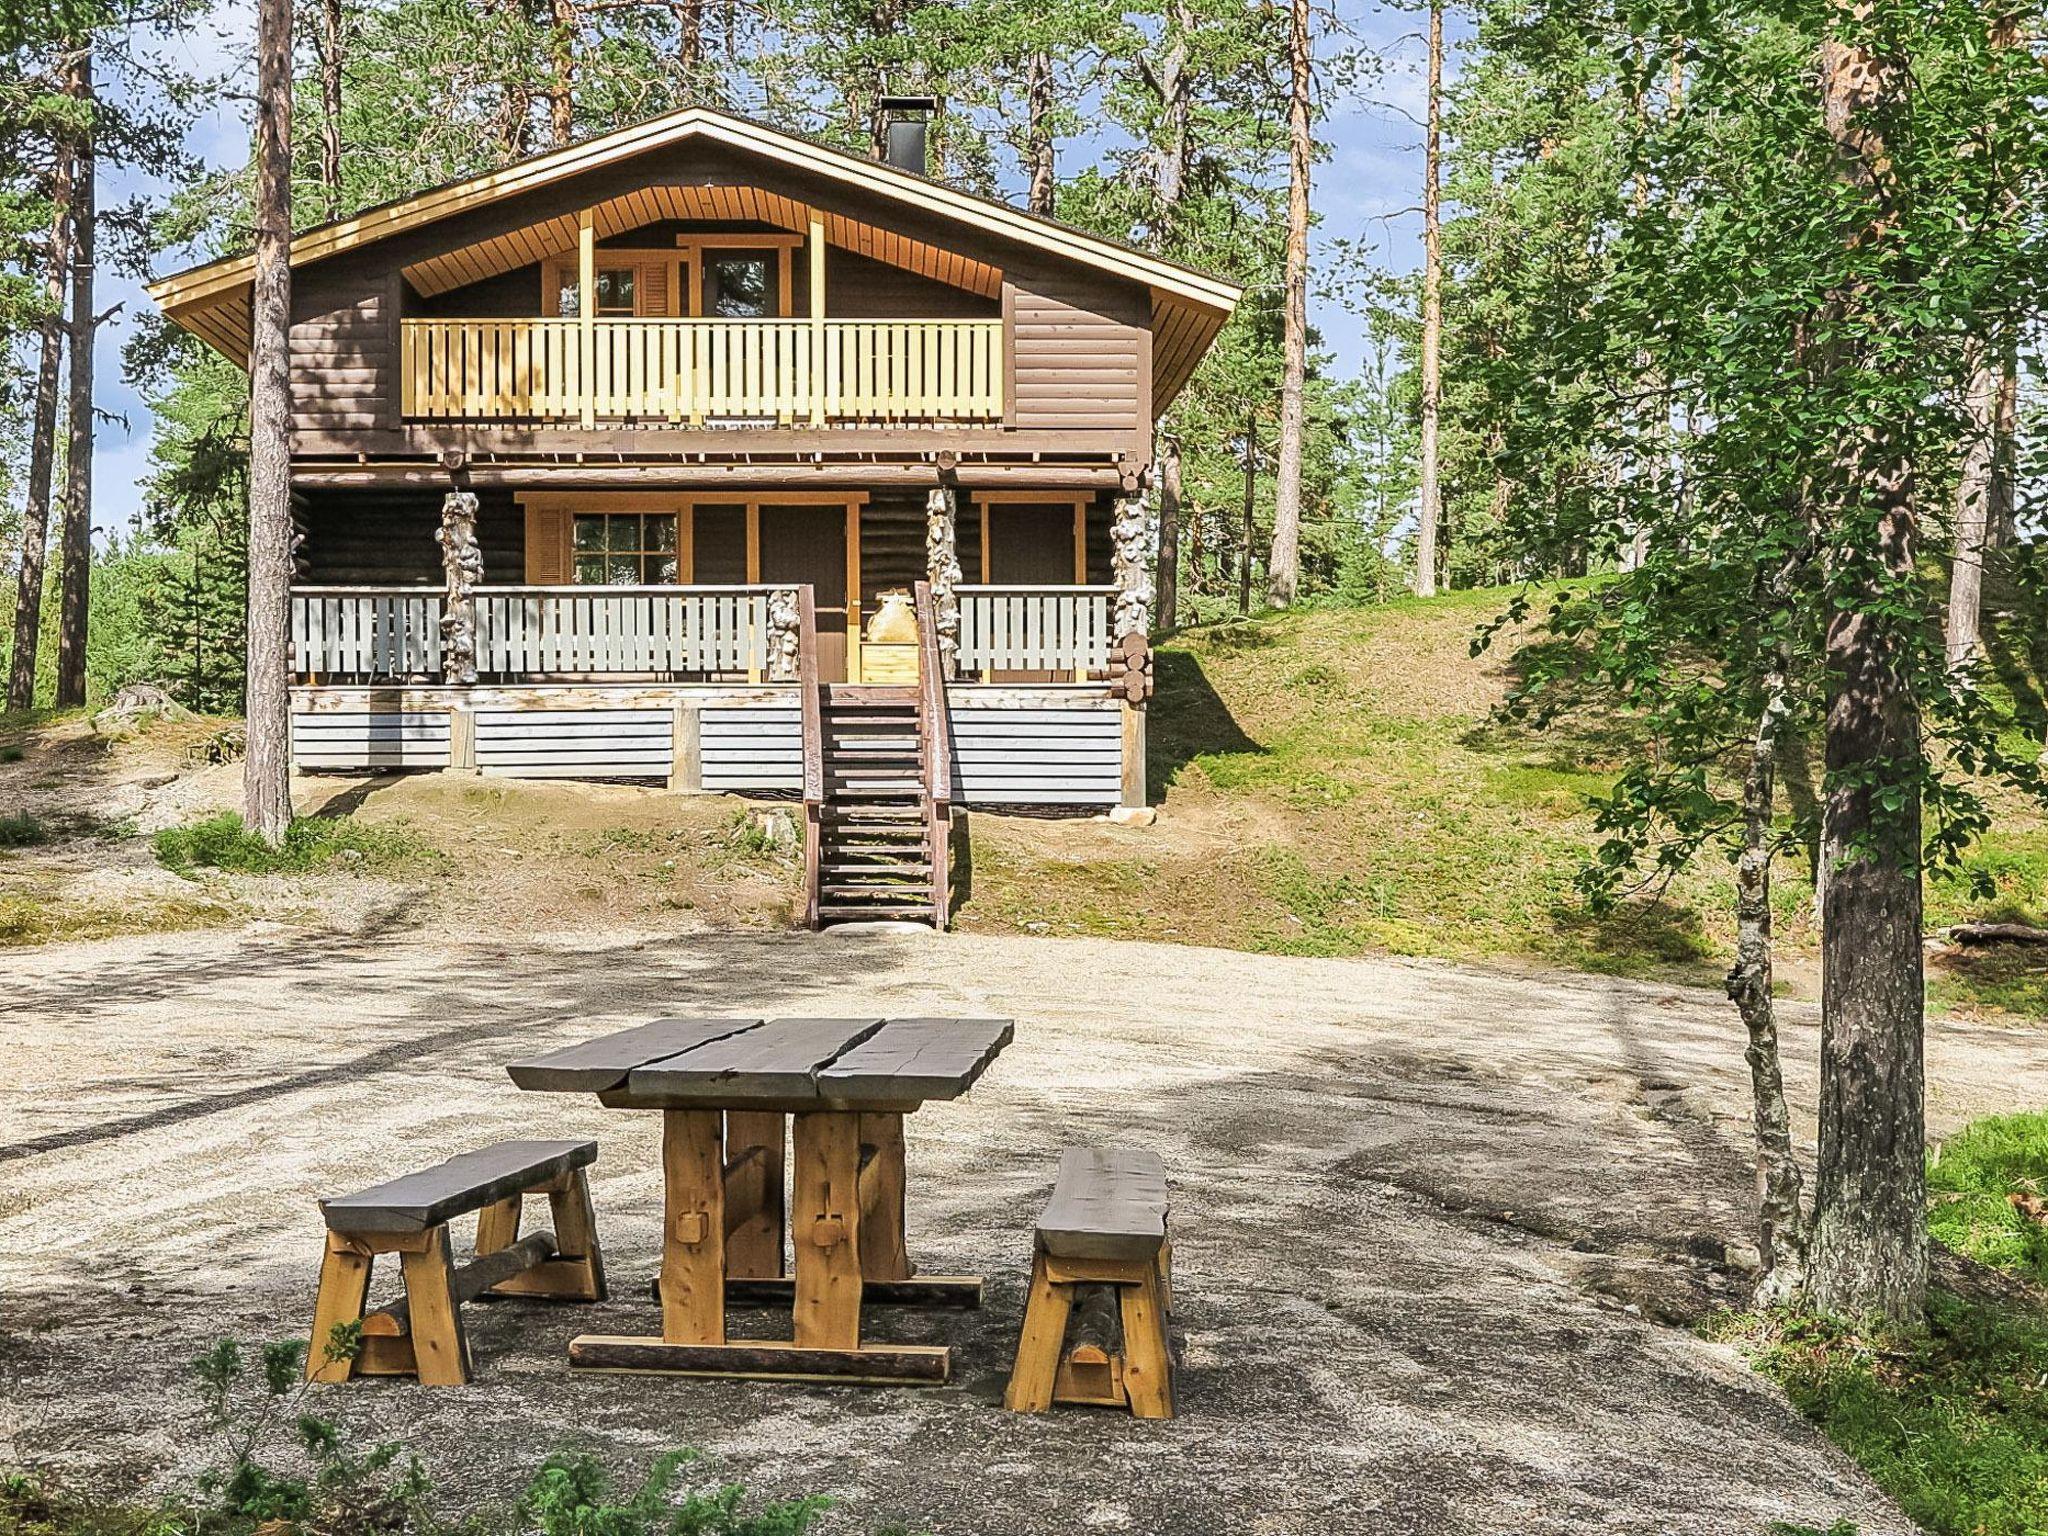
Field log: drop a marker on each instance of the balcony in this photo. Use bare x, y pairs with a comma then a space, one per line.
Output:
702, 371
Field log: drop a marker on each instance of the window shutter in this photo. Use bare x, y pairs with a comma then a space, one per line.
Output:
547, 547
653, 296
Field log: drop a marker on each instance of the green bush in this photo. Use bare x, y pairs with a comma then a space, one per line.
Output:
1971, 1178
22, 830
312, 842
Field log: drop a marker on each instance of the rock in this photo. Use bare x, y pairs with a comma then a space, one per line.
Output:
1133, 816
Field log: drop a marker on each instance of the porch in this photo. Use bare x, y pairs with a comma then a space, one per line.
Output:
702, 688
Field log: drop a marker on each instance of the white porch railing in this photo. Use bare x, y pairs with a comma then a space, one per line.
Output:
367, 632
569, 631
694, 370
1034, 629
372, 633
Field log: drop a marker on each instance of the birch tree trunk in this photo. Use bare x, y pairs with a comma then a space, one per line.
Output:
266, 782
1964, 630
42, 452
1429, 511
1868, 1254
1781, 1219
1283, 573
75, 543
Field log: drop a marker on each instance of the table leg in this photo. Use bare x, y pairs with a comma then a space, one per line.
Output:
754, 1142
825, 1227
693, 1234
884, 1251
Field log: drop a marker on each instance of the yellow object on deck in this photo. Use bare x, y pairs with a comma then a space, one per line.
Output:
895, 621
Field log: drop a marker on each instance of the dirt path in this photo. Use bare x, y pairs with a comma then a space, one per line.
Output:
1426, 1219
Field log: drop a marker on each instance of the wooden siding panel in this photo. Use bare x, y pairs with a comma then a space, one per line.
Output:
380, 538
1079, 353
575, 743
355, 740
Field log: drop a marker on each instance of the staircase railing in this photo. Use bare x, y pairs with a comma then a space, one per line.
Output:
937, 743
814, 747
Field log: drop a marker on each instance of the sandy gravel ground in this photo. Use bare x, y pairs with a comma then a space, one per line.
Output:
1436, 1230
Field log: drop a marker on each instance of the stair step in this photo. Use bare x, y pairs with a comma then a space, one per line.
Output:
897, 871
883, 914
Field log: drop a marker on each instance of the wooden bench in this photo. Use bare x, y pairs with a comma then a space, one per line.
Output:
422, 1335
1101, 1266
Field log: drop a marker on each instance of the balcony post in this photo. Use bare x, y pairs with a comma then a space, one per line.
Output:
817, 255
942, 565
586, 314
462, 564
1128, 531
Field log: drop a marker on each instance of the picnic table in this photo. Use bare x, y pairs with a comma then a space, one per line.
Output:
727, 1090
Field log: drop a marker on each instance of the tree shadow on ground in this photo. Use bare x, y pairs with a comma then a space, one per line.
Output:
1187, 719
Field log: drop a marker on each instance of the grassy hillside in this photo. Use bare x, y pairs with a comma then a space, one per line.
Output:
1332, 782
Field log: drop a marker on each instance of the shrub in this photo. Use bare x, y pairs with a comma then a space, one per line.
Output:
22, 830
223, 842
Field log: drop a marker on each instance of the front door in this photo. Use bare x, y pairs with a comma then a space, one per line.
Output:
808, 544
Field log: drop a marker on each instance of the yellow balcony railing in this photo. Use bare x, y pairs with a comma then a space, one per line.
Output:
677, 371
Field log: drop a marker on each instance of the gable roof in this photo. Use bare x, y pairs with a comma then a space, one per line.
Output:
1189, 306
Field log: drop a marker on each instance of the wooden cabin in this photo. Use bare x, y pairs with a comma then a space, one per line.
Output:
609, 464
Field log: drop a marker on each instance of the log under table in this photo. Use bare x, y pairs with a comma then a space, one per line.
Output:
727, 1088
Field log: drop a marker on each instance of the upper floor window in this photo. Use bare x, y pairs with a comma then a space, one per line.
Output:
740, 285
615, 293
625, 549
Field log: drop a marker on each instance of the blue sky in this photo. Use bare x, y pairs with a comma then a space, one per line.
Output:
1367, 193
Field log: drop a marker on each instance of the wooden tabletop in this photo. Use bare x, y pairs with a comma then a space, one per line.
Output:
792, 1063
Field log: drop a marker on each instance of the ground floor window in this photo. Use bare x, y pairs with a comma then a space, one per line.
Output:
626, 549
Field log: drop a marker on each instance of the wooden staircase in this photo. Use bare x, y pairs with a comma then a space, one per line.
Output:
877, 792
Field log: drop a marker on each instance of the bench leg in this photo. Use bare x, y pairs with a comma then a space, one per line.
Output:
1166, 1277
1148, 1370
1039, 1344
575, 1221
497, 1225
440, 1347
344, 1291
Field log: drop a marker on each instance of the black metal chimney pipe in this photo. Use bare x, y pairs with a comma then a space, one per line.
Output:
906, 118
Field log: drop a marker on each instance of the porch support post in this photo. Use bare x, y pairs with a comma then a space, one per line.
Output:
586, 315
462, 564
942, 566
818, 376
1128, 547
783, 642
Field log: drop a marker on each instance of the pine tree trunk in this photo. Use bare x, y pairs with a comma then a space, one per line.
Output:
1868, 1254
1429, 512
1781, 1221
330, 107
42, 453
1283, 570
1166, 581
1038, 133
2002, 528
75, 545
562, 84
690, 46
266, 782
